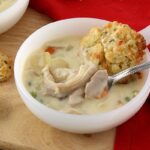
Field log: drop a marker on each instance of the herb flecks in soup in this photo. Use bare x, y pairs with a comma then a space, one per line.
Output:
4, 4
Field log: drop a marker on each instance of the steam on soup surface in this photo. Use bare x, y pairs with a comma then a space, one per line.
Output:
62, 65
4, 4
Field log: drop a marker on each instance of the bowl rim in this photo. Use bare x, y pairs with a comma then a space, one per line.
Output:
13, 7
23, 90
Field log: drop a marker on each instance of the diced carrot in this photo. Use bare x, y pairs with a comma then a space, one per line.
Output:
50, 50
109, 25
139, 75
120, 42
103, 94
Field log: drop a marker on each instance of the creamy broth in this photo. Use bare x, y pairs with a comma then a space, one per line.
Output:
4, 4
68, 49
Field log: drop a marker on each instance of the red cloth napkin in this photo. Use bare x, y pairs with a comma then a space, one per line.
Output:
135, 133
134, 12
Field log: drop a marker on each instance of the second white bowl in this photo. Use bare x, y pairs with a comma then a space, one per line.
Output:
12, 15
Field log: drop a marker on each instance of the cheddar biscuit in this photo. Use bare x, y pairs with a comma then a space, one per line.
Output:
5, 67
114, 47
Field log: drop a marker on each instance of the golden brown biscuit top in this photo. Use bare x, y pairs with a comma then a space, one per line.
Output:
121, 47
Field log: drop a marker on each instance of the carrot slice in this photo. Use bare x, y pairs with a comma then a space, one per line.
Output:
50, 50
103, 94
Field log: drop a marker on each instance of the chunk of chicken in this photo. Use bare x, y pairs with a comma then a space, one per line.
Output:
64, 89
96, 87
76, 97
49, 82
62, 74
82, 77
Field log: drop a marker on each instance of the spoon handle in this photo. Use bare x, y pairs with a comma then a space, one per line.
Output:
130, 71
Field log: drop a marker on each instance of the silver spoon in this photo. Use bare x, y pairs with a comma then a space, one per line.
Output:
115, 78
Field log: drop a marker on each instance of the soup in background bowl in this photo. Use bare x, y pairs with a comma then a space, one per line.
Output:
84, 123
4, 4
11, 12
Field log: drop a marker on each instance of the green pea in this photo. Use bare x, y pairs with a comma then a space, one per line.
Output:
127, 99
29, 83
34, 94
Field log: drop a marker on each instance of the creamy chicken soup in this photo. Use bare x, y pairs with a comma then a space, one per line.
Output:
60, 78
4, 4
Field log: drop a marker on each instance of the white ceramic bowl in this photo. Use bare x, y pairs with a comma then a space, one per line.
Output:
11, 15
60, 120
